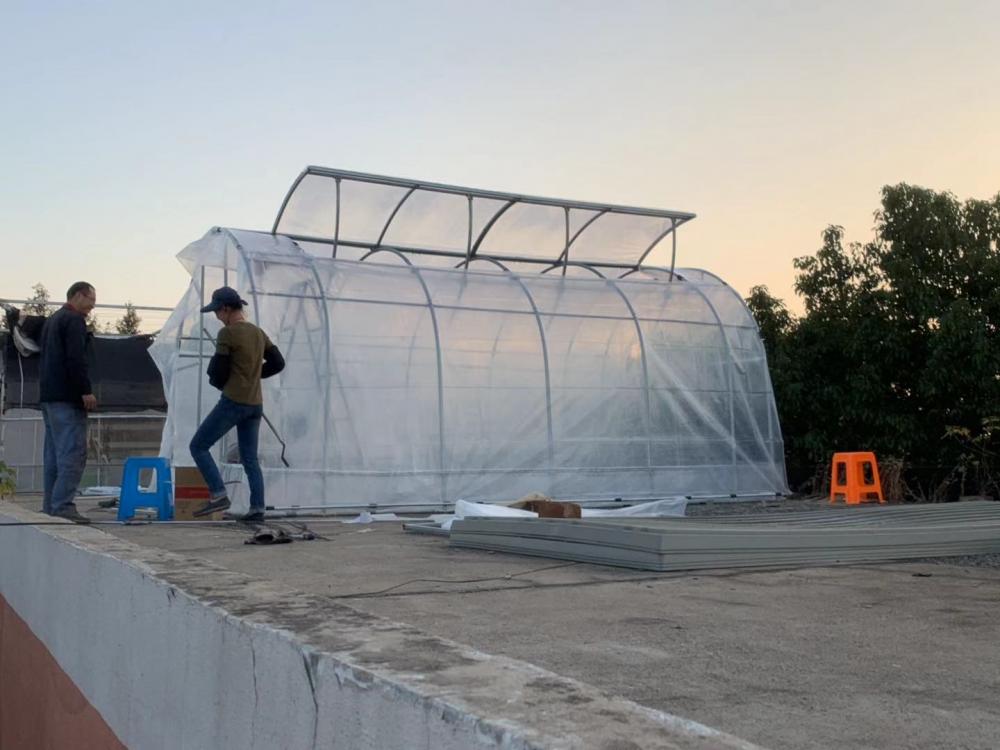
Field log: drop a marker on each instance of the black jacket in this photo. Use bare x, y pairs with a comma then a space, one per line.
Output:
62, 371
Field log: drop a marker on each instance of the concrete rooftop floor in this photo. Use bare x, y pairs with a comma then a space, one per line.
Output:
901, 655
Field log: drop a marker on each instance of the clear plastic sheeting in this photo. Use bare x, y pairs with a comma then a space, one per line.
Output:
409, 386
349, 213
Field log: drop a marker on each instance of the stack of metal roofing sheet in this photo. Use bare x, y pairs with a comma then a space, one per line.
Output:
867, 515
824, 537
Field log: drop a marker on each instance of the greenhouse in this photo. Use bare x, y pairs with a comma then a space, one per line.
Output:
447, 343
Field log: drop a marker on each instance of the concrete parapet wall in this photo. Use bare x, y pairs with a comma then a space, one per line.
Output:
173, 652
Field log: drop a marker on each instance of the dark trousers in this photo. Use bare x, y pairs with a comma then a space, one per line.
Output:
226, 415
65, 453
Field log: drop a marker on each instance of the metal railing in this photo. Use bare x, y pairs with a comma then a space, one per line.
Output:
151, 317
111, 438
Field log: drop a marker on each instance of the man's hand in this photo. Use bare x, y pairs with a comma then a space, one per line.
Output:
90, 402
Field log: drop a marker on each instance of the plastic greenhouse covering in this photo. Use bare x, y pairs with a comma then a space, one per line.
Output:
431, 360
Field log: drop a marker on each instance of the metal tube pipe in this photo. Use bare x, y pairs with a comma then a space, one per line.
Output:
647, 415
343, 174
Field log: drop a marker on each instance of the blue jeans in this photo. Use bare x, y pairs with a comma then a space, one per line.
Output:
65, 453
226, 415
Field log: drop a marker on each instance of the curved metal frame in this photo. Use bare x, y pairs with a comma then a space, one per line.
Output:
729, 379
321, 293
672, 229
732, 389
465, 263
439, 187
328, 346
468, 236
733, 365
565, 252
750, 317
392, 216
250, 279
648, 413
392, 250
336, 224
440, 362
570, 240
288, 197
201, 343
586, 266
545, 363
676, 218
474, 247
650, 270
432, 309
461, 256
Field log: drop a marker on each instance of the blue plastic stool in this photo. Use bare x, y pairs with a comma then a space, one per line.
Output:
132, 497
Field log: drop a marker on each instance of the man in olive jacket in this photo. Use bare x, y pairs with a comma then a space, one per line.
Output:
243, 355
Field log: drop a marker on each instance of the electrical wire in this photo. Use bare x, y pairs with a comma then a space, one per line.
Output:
300, 531
508, 577
121, 523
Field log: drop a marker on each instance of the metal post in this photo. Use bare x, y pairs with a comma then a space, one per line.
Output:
336, 225
545, 362
648, 419
440, 363
488, 226
388, 222
440, 383
327, 348
468, 242
729, 382
201, 343
673, 247
565, 252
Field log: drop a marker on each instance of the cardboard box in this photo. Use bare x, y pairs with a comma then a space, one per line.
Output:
188, 476
190, 493
184, 508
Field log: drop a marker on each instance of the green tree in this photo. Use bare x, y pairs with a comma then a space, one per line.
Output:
8, 481
899, 342
37, 304
129, 322
773, 319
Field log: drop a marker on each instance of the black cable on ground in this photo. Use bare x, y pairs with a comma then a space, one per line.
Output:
298, 532
227, 524
509, 576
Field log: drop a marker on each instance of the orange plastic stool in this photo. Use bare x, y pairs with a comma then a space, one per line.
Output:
854, 479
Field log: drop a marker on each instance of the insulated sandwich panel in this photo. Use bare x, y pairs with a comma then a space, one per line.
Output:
691, 544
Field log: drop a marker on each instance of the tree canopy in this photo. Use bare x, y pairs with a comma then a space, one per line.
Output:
897, 350
129, 322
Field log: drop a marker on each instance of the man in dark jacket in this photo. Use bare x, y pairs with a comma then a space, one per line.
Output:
66, 396
243, 355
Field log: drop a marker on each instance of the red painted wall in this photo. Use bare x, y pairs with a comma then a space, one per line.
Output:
40, 707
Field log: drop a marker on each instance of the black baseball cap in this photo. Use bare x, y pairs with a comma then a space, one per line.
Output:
224, 296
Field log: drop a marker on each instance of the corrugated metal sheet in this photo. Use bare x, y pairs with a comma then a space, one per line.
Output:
837, 536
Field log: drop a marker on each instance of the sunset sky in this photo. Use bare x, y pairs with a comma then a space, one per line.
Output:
129, 129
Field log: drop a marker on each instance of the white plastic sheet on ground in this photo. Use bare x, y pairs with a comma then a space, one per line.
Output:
672, 506
411, 386
366, 517
106, 491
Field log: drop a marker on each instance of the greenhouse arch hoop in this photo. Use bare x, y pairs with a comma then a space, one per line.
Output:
442, 344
